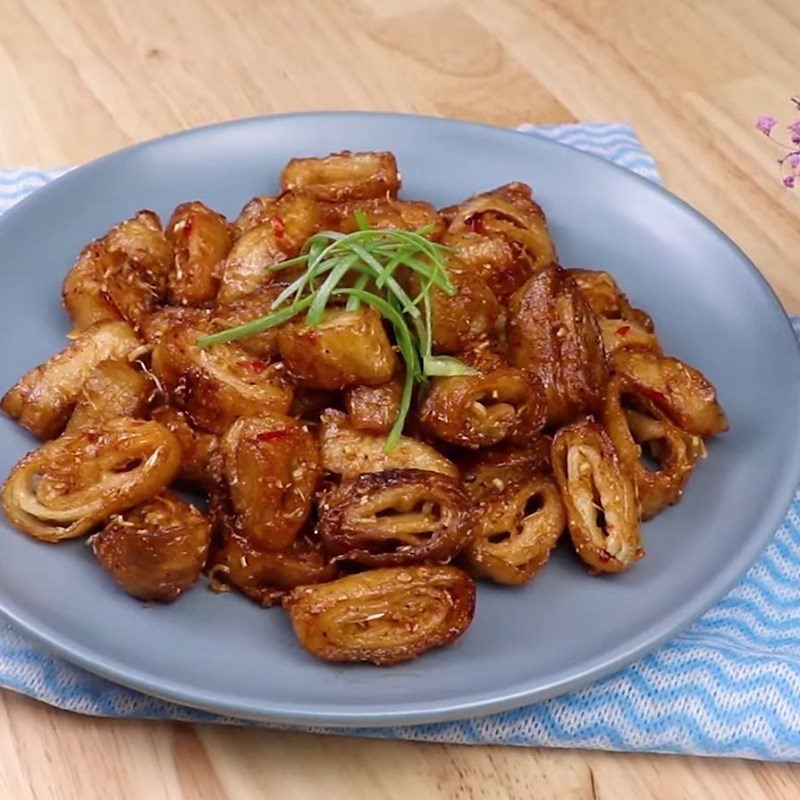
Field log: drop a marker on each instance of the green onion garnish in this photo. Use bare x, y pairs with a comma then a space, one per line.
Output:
374, 255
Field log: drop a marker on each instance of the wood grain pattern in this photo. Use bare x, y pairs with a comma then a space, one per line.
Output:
79, 78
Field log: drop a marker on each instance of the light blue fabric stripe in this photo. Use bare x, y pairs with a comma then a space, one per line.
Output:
730, 685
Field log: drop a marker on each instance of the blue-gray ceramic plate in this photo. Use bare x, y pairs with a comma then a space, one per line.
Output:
563, 630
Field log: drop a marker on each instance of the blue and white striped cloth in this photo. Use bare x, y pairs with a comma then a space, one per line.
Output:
730, 685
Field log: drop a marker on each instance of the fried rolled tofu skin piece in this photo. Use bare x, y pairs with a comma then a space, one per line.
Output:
200, 239
286, 226
481, 410
473, 315
516, 529
347, 348
217, 385
197, 447
343, 176
270, 467
43, 400
121, 276
409, 215
157, 550
637, 427
114, 389
72, 484
508, 211
348, 452
553, 333
600, 498
683, 393
374, 408
488, 471
621, 325
265, 576
383, 616
400, 516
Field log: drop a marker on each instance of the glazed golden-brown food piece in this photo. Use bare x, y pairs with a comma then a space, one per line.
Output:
43, 399
156, 550
516, 529
481, 410
347, 348
683, 393
285, 229
492, 257
343, 176
472, 316
197, 447
553, 333
488, 471
637, 427
217, 385
121, 276
400, 516
255, 212
383, 213
619, 333
599, 496
621, 325
383, 616
374, 408
349, 452
265, 576
269, 467
72, 484
113, 389
511, 212
200, 239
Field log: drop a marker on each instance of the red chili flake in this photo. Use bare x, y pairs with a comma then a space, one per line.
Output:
278, 228
604, 556
188, 224
475, 224
271, 436
652, 394
256, 365
623, 330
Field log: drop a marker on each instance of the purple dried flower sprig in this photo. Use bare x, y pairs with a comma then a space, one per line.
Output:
789, 163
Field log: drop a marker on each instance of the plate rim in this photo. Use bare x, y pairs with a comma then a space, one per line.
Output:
613, 659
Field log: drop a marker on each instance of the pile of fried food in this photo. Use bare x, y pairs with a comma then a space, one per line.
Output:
569, 419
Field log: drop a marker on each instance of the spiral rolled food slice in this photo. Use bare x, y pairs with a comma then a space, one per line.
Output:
403, 516
72, 484
157, 550
683, 393
481, 410
516, 529
599, 497
488, 471
383, 616
639, 428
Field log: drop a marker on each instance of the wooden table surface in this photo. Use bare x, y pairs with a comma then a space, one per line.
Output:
79, 78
